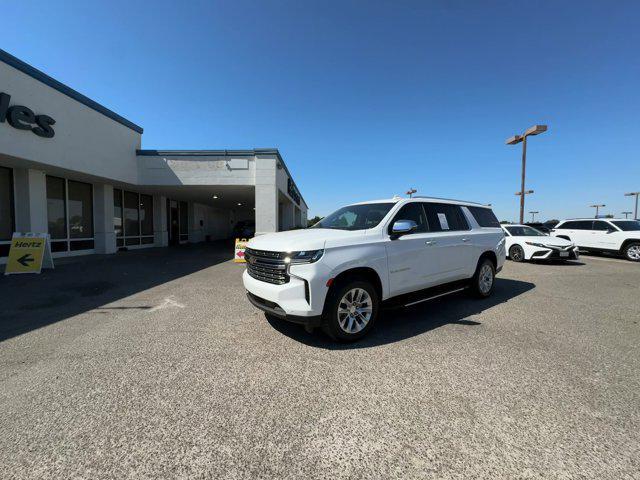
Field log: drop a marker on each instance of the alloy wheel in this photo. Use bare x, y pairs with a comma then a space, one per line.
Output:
354, 310
485, 279
517, 254
633, 252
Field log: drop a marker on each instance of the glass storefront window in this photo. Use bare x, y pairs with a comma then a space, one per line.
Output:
56, 208
131, 215
80, 210
146, 214
70, 214
117, 212
6, 203
136, 211
184, 222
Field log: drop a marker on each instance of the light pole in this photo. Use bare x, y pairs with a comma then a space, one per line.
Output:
411, 192
523, 193
626, 214
533, 215
535, 130
597, 207
634, 194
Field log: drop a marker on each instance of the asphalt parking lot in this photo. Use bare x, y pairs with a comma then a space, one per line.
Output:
152, 364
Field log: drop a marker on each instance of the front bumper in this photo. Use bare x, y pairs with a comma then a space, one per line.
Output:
277, 311
302, 295
555, 254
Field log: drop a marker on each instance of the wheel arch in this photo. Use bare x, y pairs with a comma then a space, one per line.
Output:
627, 242
491, 255
366, 273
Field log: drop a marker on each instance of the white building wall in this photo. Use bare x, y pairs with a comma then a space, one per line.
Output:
85, 140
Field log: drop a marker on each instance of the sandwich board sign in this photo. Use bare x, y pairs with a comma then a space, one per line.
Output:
241, 244
29, 253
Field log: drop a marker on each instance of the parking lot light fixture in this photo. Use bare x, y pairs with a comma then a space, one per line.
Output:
411, 191
626, 214
534, 130
634, 194
597, 207
533, 215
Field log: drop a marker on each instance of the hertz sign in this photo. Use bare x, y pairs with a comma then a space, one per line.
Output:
23, 118
293, 191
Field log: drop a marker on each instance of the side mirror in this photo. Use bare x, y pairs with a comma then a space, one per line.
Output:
402, 227
611, 230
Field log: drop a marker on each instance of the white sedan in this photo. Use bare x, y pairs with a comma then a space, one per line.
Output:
527, 243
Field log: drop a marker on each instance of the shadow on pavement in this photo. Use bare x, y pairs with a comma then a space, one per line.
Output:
81, 284
565, 263
396, 325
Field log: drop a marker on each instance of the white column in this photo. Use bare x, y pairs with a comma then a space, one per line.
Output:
31, 200
105, 235
160, 228
266, 196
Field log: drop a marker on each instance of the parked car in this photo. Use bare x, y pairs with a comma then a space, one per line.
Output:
527, 243
603, 235
244, 229
338, 273
544, 227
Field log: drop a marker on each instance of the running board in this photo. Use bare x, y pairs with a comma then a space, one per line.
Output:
414, 298
435, 296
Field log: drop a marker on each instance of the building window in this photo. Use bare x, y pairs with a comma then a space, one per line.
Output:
184, 221
7, 219
70, 214
132, 218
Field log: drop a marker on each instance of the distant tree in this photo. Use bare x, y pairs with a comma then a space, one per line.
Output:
505, 222
314, 220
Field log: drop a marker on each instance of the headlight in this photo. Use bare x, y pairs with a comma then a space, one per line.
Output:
304, 256
534, 244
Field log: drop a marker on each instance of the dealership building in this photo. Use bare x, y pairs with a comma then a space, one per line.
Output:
75, 169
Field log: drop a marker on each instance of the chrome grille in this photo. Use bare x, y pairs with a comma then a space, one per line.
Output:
266, 266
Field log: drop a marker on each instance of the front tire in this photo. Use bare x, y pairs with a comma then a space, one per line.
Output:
484, 279
632, 251
351, 310
516, 253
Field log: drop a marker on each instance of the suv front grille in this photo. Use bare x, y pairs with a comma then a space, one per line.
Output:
266, 266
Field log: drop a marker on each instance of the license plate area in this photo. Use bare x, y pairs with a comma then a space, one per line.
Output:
564, 254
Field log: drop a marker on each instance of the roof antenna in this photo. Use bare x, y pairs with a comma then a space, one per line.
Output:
411, 192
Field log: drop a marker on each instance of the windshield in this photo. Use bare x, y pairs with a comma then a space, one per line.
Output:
628, 226
356, 217
525, 232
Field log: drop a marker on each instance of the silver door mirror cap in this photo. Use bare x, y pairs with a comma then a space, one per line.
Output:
402, 227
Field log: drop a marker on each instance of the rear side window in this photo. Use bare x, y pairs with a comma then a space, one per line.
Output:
484, 216
412, 211
577, 225
444, 217
599, 225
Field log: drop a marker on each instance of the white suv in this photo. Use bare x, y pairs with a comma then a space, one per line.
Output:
336, 274
610, 235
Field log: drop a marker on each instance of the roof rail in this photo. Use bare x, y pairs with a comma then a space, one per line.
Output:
452, 200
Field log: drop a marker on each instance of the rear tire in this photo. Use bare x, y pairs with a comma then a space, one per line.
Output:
483, 280
516, 253
351, 310
632, 251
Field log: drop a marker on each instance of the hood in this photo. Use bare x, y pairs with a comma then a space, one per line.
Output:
297, 240
551, 241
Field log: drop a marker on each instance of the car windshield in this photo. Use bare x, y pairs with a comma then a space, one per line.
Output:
525, 232
356, 217
628, 226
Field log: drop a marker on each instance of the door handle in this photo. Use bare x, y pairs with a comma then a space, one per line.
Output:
430, 242
466, 239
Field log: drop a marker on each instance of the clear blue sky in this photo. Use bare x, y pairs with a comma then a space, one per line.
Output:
366, 99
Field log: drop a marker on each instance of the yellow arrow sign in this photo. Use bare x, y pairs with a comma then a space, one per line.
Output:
28, 253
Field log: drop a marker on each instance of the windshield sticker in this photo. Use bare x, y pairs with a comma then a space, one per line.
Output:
443, 221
